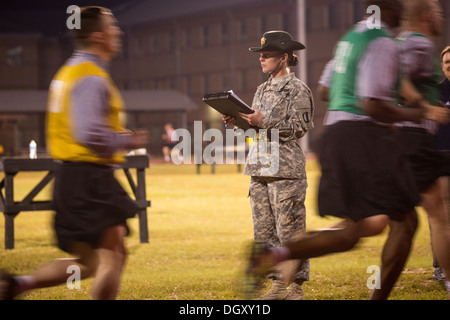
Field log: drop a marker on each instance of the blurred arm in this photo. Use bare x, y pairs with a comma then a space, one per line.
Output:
89, 113
378, 76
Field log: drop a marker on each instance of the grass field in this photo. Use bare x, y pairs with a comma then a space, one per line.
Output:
199, 226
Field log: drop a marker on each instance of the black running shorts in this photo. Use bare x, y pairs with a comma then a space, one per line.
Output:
88, 200
364, 172
427, 162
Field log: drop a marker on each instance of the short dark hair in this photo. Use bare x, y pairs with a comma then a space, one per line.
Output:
90, 21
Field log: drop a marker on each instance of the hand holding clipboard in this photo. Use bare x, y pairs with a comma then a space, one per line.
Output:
252, 118
229, 104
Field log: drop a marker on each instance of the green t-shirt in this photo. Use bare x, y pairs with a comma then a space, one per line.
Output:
348, 54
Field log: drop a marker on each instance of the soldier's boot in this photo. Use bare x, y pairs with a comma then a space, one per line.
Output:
277, 292
296, 291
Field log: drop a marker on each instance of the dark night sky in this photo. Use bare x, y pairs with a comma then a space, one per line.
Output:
46, 17
55, 5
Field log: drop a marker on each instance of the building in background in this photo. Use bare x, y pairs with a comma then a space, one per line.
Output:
189, 47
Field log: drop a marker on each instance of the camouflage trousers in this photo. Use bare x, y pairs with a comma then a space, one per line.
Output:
279, 214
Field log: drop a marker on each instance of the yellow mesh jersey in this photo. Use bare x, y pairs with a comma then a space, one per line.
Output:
60, 140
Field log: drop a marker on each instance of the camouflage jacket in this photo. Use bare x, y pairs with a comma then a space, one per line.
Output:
287, 109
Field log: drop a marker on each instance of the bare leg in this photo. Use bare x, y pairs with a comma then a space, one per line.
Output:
341, 237
434, 205
56, 271
166, 153
111, 260
395, 253
107, 262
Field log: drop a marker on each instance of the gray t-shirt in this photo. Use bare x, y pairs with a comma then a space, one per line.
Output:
417, 55
89, 109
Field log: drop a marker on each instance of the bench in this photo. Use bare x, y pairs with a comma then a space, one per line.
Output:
225, 150
11, 208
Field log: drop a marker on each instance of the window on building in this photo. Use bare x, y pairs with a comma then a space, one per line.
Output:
152, 46
243, 80
14, 56
285, 21
138, 45
225, 82
164, 84
263, 24
199, 37
187, 85
206, 85
224, 32
242, 30
332, 17
272, 22
164, 39
187, 38
124, 52
357, 11
207, 36
318, 18
171, 41
215, 34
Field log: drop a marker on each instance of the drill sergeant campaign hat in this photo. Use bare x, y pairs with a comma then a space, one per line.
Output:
278, 41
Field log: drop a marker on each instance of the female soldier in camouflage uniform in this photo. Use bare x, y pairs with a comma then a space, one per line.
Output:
283, 107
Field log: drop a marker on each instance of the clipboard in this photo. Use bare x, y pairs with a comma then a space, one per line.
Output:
230, 104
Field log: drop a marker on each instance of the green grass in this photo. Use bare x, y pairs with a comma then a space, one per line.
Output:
199, 226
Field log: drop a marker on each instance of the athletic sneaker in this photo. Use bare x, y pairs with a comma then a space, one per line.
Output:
438, 274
